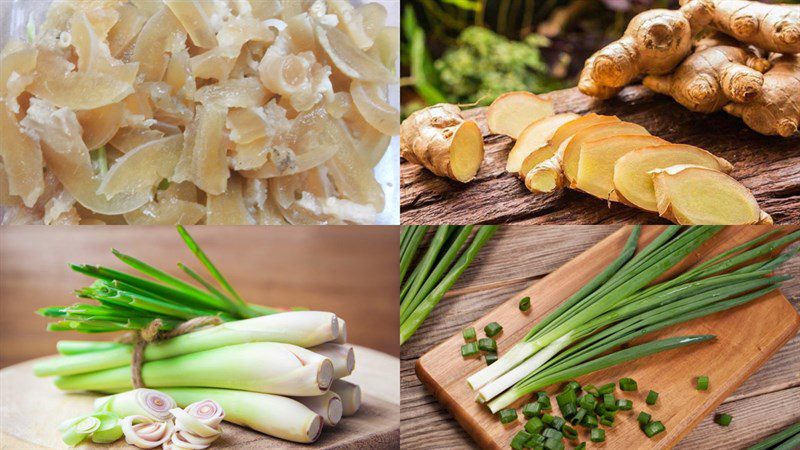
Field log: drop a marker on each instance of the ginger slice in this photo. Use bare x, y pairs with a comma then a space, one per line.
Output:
597, 158
534, 136
693, 195
22, 159
562, 134
439, 139
572, 151
633, 183
511, 112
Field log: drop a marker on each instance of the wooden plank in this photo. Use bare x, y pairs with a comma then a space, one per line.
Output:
769, 166
729, 363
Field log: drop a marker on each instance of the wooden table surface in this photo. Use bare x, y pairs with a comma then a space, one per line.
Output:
351, 271
768, 401
769, 166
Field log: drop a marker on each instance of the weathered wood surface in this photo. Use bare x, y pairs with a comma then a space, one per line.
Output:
769, 166
496, 276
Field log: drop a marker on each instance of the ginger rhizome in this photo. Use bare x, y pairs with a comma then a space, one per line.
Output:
439, 139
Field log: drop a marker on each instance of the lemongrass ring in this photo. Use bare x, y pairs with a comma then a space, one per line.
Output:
144, 432
186, 422
208, 412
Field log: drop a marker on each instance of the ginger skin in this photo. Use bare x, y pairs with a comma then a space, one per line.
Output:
777, 110
711, 78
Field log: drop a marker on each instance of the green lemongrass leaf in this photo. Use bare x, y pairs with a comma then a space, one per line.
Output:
51, 311
262, 310
83, 327
214, 291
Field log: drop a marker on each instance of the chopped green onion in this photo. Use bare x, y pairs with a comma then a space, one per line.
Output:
536, 441
487, 345
558, 423
553, 433
520, 440
590, 421
624, 405
544, 399
609, 402
525, 304
597, 435
643, 418
588, 402
569, 432
469, 334
702, 383
493, 329
723, 419
628, 385
579, 415
548, 419
553, 444
653, 428
592, 389
606, 389
607, 421
491, 358
581, 446
507, 415
566, 398
470, 350
573, 386
652, 396
569, 410
534, 425
533, 409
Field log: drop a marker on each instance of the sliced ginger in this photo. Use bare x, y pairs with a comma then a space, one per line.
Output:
633, 183
512, 112
439, 139
595, 174
534, 136
693, 195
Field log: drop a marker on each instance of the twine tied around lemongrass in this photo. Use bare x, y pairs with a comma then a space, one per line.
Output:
141, 338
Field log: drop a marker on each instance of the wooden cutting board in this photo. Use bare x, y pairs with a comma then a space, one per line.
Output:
32, 408
746, 337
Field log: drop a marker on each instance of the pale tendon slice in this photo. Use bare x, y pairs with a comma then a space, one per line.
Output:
572, 151
596, 164
128, 138
350, 59
213, 64
175, 205
354, 179
239, 93
194, 20
633, 182
152, 44
228, 208
93, 54
209, 164
101, 124
693, 195
246, 124
16, 57
250, 155
511, 112
143, 167
534, 136
563, 133
22, 159
122, 34
374, 108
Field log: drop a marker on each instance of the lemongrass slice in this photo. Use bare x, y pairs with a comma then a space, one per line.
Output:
350, 394
144, 432
341, 356
208, 412
239, 93
271, 368
196, 427
209, 164
143, 167
74, 431
371, 103
301, 328
101, 124
68, 159
187, 422
228, 208
153, 41
273, 415
350, 59
150, 403
22, 159
193, 17
122, 34
327, 405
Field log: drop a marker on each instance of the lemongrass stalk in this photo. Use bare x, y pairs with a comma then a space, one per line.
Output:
274, 415
137, 402
408, 253
302, 328
603, 362
341, 356
427, 262
350, 394
78, 347
327, 405
341, 338
265, 367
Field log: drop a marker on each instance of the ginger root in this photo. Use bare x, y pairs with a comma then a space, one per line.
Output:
777, 110
535, 136
694, 195
711, 78
439, 139
511, 112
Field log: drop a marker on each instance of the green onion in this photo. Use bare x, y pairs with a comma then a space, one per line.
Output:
487, 345
643, 418
470, 350
548, 419
553, 433
606, 389
609, 402
536, 441
553, 444
581, 446
544, 399
702, 383
652, 396
566, 398
508, 415
469, 334
407, 253
491, 358
533, 409
493, 329
520, 440
653, 428
607, 421
597, 435
558, 422
534, 425
624, 405
723, 419
588, 402
578, 417
589, 421
569, 410
573, 386
525, 304
628, 385
569, 432
786, 439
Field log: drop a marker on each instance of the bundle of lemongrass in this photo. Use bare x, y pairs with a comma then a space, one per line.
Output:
623, 303
279, 373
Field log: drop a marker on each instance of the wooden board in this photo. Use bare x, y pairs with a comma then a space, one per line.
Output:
32, 408
769, 166
769, 322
